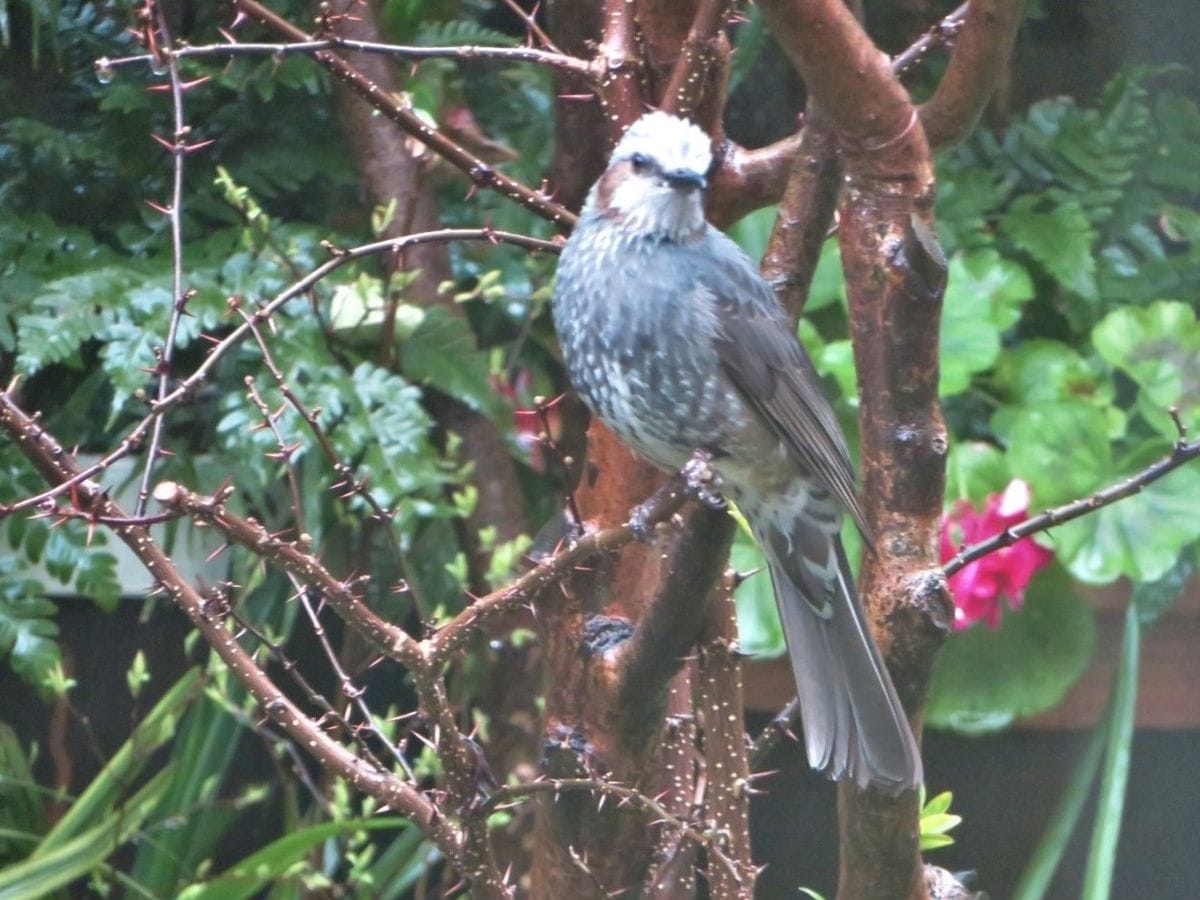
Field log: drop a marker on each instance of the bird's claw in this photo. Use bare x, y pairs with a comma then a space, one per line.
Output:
639, 524
702, 481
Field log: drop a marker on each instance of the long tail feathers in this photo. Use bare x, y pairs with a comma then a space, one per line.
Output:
854, 725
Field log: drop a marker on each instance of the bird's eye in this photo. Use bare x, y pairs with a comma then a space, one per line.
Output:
640, 162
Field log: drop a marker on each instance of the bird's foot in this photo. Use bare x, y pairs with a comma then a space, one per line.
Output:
639, 522
703, 482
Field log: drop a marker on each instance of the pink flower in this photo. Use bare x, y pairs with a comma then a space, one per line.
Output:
978, 587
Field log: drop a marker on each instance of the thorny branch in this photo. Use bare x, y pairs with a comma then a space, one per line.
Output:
293, 557
1183, 452
480, 173
660, 507
532, 55
58, 466
504, 796
982, 48
153, 17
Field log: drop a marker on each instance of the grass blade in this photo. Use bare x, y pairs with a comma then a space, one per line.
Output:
1097, 882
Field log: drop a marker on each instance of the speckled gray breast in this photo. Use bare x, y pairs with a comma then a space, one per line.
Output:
636, 327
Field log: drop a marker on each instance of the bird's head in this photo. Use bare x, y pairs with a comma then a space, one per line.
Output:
655, 181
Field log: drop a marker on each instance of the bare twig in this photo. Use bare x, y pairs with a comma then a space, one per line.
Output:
178, 148
347, 484
938, 35
553, 59
1182, 453
284, 452
774, 733
509, 793
343, 596
57, 466
532, 26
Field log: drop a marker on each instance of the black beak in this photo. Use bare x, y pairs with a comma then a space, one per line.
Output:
685, 180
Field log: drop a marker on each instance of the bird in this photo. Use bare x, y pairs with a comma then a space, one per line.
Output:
674, 340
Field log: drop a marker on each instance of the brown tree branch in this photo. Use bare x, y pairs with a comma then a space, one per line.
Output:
671, 625
621, 92
981, 53
939, 34
848, 76
780, 728
532, 55
579, 126
699, 59
805, 212
292, 557
721, 714
895, 275
745, 180
657, 509
480, 173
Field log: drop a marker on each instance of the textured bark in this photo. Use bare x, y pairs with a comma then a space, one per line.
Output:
804, 216
616, 639
720, 713
981, 53
895, 275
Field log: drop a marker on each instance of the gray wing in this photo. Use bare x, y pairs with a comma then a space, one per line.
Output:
760, 352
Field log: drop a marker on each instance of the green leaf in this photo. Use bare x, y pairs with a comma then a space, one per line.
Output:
1153, 598
1059, 236
259, 869
937, 820
837, 359
1035, 881
22, 805
202, 755
1040, 370
104, 791
984, 294
753, 231
1139, 537
442, 352
1061, 449
48, 869
829, 280
28, 634
1102, 857
759, 631
974, 470
984, 678
1159, 348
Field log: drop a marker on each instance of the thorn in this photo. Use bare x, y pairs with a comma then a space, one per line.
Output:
196, 148
739, 577
158, 207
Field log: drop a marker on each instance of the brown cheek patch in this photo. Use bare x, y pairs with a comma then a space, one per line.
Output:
607, 186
